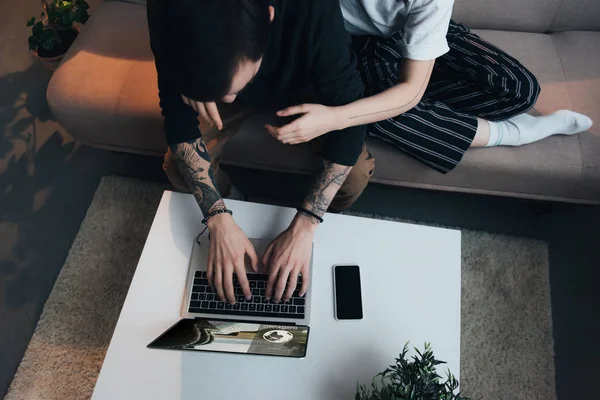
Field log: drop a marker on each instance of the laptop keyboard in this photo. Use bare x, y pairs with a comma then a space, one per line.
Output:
204, 300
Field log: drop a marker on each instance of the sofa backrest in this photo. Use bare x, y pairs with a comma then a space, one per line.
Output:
522, 15
577, 15
529, 15
512, 15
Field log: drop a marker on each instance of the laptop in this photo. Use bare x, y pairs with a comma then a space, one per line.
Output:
200, 301
254, 326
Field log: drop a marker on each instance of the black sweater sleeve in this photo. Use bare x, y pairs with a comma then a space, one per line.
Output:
180, 120
337, 82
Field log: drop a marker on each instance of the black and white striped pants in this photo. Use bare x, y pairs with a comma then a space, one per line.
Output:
474, 79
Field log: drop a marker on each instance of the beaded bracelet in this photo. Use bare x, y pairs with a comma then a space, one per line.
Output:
216, 212
309, 213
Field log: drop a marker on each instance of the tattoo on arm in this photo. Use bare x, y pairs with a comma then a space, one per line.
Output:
328, 182
193, 162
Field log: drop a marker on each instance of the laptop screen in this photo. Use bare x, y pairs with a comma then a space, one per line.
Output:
234, 337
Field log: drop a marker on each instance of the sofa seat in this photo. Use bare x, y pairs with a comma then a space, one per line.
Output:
105, 94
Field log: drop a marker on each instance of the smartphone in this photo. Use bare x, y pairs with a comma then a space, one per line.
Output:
347, 292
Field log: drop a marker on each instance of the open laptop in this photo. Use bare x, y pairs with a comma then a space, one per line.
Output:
254, 326
200, 301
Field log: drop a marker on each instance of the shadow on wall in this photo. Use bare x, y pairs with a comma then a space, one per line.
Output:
22, 101
44, 195
28, 214
37, 168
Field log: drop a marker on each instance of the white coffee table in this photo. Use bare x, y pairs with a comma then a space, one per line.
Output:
411, 291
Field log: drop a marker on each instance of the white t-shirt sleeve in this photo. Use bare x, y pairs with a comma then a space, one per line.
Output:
426, 28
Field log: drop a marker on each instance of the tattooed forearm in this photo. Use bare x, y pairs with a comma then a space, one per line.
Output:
329, 180
193, 162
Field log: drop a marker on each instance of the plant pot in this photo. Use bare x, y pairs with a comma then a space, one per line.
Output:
52, 60
50, 63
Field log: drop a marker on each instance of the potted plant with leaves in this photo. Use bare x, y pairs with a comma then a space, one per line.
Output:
53, 34
414, 379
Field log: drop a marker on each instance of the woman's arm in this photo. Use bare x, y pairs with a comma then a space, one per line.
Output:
414, 77
318, 119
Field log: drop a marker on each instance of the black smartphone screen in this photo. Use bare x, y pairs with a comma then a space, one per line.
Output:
348, 297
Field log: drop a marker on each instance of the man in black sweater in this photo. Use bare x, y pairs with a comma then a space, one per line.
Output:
255, 53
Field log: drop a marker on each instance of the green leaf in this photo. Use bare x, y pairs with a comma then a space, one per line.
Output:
33, 43
38, 28
415, 378
43, 14
81, 16
31, 21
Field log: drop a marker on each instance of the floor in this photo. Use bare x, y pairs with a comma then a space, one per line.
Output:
47, 182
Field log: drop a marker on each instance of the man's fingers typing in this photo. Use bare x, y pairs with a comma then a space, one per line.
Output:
273, 274
282, 280
218, 281
305, 280
291, 285
228, 286
210, 269
267, 255
240, 272
253, 256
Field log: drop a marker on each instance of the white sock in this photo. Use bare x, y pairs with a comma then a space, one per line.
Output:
525, 129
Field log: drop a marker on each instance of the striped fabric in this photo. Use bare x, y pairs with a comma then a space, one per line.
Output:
474, 79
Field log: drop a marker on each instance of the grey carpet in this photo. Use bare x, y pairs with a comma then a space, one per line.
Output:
506, 345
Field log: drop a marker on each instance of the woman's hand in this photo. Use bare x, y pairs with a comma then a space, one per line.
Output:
316, 121
208, 111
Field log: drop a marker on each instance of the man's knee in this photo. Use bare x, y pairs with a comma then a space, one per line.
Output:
355, 183
173, 173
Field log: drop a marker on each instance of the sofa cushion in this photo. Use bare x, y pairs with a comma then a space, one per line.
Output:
550, 168
515, 15
577, 15
105, 91
580, 55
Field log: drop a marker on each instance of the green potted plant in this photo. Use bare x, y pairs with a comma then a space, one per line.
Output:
53, 34
414, 379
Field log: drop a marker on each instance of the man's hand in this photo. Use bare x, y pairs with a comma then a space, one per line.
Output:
316, 121
289, 255
227, 254
208, 111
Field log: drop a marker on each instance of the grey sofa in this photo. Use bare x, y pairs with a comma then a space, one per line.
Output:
105, 94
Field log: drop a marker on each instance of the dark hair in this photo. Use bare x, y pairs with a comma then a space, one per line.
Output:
205, 41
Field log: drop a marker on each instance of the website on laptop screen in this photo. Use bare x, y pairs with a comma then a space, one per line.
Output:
235, 337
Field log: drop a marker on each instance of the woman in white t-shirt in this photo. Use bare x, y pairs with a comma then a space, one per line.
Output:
436, 89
